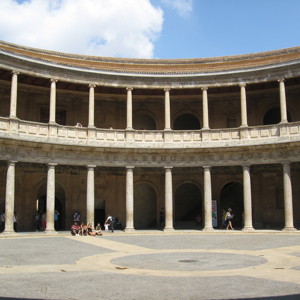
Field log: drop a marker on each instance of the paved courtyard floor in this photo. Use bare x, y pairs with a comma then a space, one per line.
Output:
151, 265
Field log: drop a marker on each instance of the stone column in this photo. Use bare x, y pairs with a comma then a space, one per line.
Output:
207, 200
52, 112
10, 198
50, 198
168, 200
91, 105
129, 108
283, 110
129, 200
247, 199
90, 195
167, 110
243, 106
13, 95
205, 108
288, 198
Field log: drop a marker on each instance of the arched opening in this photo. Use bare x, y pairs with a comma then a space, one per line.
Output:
144, 207
41, 204
188, 206
232, 197
273, 116
143, 122
186, 122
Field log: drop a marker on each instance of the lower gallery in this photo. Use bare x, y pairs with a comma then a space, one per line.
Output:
142, 140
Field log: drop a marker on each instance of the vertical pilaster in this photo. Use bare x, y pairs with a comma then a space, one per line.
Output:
205, 108
168, 200
243, 105
167, 110
50, 198
207, 200
288, 198
13, 95
283, 110
129, 200
52, 113
90, 195
91, 105
129, 108
10, 198
247, 199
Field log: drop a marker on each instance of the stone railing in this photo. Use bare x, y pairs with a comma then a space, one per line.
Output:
69, 135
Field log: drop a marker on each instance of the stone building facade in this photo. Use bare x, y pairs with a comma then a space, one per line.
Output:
189, 136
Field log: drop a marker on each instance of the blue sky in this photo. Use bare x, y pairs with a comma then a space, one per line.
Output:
152, 28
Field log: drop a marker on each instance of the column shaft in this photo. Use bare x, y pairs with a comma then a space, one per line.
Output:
13, 95
288, 198
52, 112
205, 108
207, 200
247, 199
50, 198
283, 110
167, 110
168, 199
243, 106
129, 108
129, 200
10, 198
91, 105
90, 195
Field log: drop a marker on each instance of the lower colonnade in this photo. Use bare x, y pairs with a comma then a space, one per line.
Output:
168, 201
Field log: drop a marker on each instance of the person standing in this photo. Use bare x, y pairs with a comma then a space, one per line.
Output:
15, 222
56, 216
229, 217
2, 217
110, 222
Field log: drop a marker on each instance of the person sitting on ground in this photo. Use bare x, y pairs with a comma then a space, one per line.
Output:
98, 229
90, 230
75, 228
83, 229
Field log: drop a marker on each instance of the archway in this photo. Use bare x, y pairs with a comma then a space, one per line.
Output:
144, 207
273, 116
188, 206
143, 122
232, 197
186, 122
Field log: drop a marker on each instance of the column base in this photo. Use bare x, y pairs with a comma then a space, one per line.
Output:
50, 231
169, 229
289, 229
129, 229
208, 229
8, 232
248, 229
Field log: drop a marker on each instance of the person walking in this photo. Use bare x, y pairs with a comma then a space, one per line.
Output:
229, 217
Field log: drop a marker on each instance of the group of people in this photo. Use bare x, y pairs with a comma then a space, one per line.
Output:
110, 224
2, 219
84, 230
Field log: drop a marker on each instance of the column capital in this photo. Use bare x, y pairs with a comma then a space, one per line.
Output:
242, 85
167, 90
13, 72
53, 80
246, 166
130, 167
206, 167
286, 163
91, 166
129, 89
204, 88
52, 165
12, 162
281, 80
168, 168
92, 85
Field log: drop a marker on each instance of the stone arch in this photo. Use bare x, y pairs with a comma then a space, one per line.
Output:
145, 206
188, 204
273, 116
231, 196
60, 198
143, 121
186, 121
